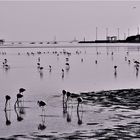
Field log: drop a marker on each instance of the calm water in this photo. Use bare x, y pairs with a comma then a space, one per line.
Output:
47, 85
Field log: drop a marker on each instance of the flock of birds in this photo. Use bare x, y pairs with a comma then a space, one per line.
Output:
6, 66
42, 104
19, 109
64, 52
19, 96
40, 68
67, 96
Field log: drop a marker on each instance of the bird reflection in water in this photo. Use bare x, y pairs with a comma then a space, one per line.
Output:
69, 114
41, 74
63, 74
7, 110
137, 69
115, 74
42, 125
7, 117
137, 73
19, 112
79, 111
64, 103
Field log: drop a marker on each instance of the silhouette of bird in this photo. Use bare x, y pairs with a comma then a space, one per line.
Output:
5, 61
50, 68
19, 96
62, 71
136, 62
67, 64
21, 90
7, 117
125, 58
40, 68
68, 94
67, 59
115, 67
96, 62
7, 97
64, 95
41, 104
80, 100
38, 64
129, 61
64, 92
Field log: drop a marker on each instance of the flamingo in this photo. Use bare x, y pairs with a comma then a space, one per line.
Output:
19, 96
38, 65
62, 73
7, 117
115, 67
80, 100
68, 94
7, 97
41, 104
136, 62
50, 68
96, 62
64, 92
128, 61
41, 68
21, 90
62, 70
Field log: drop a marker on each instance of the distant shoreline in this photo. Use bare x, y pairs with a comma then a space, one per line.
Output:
73, 45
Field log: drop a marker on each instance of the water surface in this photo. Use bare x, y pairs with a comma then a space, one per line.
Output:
46, 85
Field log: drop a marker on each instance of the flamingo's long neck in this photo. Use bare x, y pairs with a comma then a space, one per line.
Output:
6, 104
78, 106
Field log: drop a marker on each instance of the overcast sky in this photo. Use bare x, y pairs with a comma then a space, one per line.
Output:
40, 21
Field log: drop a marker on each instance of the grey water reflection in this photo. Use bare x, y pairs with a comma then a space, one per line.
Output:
8, 117
78, 70
42, 125
19, 110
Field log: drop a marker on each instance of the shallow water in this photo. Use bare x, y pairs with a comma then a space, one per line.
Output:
27, 120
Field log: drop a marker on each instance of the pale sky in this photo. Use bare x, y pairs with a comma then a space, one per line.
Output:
41, 21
